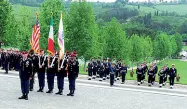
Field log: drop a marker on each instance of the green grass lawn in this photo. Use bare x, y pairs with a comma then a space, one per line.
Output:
180, 65
184, 48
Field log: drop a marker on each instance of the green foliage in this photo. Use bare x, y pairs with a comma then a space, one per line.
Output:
122, 14
161, 46
116, 41
5, 10
82, 30
24, 30
50, 6
136, 48
147, 47
27, 2
178, 39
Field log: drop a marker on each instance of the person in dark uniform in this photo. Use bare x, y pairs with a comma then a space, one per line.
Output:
11, 59
123, 71
155, 72
73, 71
61, 74
108, 68
145, 69
150, 75
101, 71
117, 68
35, 66
94, 68
6, 62
90, 69
51, 73
166, 74
25, 75
161, 76
112, 74
98, 67
41, 71
3, 58
139, 72
172, 75
105, 69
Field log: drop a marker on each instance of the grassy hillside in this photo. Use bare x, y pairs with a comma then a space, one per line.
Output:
180, 9
31, 10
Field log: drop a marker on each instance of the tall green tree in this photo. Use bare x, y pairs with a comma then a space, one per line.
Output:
148, 47
49, 8
82, 32
136, 48
161, 47
5, 10
173, 45
178, 39
24, 30
116, 41
11, 32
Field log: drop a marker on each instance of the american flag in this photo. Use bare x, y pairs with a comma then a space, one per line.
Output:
35, 37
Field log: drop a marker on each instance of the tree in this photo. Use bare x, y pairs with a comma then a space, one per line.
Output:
11, 32
24, 30
50, 6
173, 44
148, 47
161, 46
178, 39
5, 10
116, 41
136, 48
82, 32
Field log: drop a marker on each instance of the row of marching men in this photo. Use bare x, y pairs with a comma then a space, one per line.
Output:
9, 60
30, 64
106, 69
164, 73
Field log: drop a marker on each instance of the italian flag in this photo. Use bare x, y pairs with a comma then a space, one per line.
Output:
51, 39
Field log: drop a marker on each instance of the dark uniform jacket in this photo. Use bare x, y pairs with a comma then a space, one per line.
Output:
173, 72
51, 69
73, 69
63, 71
123, 70
151, 72
139, 71
90, 66
25, 69
43, 64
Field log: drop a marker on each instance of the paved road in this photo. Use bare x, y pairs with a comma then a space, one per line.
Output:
86, 97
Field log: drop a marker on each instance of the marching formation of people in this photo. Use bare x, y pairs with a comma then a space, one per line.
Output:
29, 63
106, 69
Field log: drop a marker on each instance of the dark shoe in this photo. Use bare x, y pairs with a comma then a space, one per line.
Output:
39, 90
26, 97
31, 89
89, 78
70, 93
49, 91
22, 97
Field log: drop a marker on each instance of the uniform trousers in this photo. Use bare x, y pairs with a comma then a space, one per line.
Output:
25, 86
71, 83
60, 82
41, 79
112, 79
50, 80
